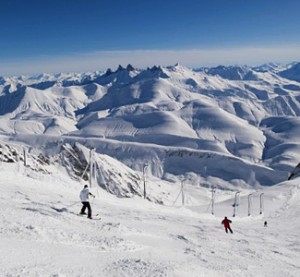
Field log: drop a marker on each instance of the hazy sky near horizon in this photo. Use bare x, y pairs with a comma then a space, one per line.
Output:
87, 35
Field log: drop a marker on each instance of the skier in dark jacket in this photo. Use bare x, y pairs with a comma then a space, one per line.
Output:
226, 222
84, 197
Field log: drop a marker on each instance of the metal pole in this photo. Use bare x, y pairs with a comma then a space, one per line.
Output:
261, 202
249, 204
182, 192
62, 157
60, 150
24, 154
144, 177
91, 166
213, 191
235, 203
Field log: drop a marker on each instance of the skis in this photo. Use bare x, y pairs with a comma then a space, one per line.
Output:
95, 217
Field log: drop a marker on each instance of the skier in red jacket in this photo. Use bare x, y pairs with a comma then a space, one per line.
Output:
226, 222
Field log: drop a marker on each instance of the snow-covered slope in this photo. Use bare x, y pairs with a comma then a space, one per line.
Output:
42, 235
292, 73
229, 113
197, 146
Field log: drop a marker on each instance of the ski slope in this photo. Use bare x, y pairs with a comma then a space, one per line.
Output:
42, 235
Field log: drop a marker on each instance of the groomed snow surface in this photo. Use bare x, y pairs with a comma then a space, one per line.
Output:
42, 235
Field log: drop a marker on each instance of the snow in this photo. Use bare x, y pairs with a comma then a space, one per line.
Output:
42, 235
173, 106
179, 133
291, 73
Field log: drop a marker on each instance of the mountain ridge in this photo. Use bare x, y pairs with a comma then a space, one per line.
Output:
167, 107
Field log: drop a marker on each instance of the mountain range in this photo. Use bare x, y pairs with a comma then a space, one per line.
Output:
227, 126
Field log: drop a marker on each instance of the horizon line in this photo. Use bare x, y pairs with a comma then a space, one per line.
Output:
100, 60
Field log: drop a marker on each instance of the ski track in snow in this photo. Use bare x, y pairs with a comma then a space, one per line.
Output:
41, 235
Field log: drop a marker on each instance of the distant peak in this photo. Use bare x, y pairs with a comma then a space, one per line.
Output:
157, 71
176, 67
130, 67
233, 72
155, 68
108, 72
120, 68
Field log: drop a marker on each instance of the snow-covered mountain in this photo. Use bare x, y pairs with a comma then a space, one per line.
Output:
197, 145
292, 73
231, 72
197, 125
272, 67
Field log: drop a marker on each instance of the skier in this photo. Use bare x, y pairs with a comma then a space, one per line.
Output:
84, 197
265, 224
226, 222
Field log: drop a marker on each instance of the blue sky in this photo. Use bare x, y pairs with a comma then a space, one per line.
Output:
86, 35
